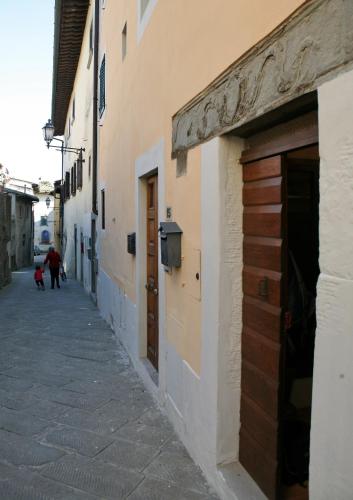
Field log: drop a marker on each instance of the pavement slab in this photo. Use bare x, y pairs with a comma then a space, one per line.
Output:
20, 422
84, 442
76, 422
20, 450
154, 489
99, 478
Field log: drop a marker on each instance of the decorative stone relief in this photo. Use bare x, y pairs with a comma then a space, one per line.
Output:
312, 46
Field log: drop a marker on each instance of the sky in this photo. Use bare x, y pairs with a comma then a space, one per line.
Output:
26, 61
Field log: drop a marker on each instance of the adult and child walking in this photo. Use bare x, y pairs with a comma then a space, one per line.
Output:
53, 259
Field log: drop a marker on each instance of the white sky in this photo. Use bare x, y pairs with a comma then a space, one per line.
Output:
26, 59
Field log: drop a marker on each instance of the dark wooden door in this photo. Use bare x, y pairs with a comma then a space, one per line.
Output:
152, 270
264, 269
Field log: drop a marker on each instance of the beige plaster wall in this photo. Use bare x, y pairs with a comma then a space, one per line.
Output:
185, 45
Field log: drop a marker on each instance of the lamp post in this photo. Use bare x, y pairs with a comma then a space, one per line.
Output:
48, 134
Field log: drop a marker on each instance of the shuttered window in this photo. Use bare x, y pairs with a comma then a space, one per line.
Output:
79, 173
67, 185
73, 179
102, 87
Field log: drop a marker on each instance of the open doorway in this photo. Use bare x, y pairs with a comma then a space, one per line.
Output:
280, 272
300, 318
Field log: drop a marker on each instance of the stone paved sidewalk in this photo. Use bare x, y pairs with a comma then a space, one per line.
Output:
75, 419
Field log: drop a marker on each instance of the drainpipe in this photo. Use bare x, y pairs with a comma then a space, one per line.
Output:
95, 145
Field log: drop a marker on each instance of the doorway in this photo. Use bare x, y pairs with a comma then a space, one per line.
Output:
280, 254
82, 253
152, 271
75, 250
300, 321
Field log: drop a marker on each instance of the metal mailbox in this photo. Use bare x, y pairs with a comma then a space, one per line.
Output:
170, 234
131, 243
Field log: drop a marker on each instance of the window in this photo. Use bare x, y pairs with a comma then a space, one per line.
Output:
67, 185
80, 172
23, 240
103, 207
20, 210
124, 42
44, 220
143, 7
102, 87
73, 179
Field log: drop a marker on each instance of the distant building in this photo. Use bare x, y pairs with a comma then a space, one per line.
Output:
21, 243
5, 236
44, 216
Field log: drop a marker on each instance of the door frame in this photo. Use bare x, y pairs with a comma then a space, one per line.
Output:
149, 163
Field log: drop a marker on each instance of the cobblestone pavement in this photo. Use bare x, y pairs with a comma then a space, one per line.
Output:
75, 419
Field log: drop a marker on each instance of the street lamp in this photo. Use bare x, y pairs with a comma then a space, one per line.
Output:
47, 201
48, 132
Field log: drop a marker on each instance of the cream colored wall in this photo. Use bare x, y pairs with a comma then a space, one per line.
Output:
185, 45
77, 210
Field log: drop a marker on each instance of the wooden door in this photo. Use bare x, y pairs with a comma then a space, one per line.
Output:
262, 338
152, 270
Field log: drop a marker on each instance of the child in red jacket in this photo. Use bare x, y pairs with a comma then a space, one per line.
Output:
38, 278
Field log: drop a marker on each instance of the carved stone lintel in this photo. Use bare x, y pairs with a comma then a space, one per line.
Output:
315, 44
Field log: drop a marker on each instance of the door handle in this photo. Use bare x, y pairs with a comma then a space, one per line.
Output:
263, 287
155, 291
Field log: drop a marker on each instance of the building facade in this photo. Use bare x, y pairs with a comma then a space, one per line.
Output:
5, 238
44, 216
76, 127
236, 143
22, 222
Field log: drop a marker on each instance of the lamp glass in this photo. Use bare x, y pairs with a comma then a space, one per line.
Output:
47, 201
48, 131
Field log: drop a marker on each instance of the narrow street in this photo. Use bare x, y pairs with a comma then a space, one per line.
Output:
75, 419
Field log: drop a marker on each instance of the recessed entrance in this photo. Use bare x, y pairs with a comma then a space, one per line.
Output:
281, 250
152, 270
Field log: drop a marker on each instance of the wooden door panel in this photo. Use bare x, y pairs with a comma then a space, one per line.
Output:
259, 464
263, 192
262, 169
262, 428
263, 248
260, 389
261, 352
152, 270
264, 253
261, 317
263, 220
262, 283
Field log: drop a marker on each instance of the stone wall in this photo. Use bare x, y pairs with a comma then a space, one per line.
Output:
5, 236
